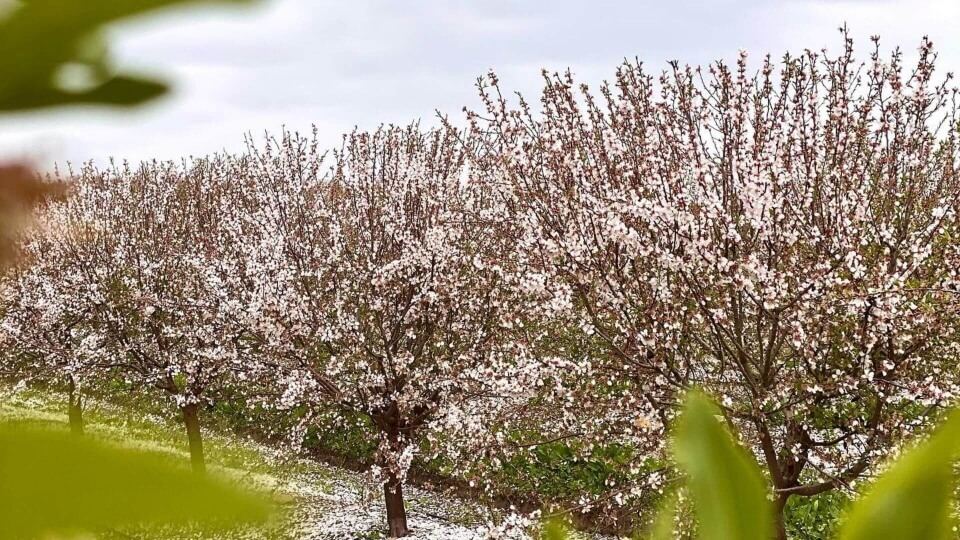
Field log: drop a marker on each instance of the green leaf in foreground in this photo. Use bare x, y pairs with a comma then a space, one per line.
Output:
53, 482
663, 525
554, 529
912, 499
728, 491
40, 40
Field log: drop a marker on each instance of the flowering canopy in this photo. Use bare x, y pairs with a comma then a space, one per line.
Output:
785, 239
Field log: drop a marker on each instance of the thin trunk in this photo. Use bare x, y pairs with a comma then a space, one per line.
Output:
75, 409
191, 420
779, 524
396, 514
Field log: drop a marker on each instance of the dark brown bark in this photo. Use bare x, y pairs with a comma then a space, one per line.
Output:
779, 523
75, 410
191, 420
396, 513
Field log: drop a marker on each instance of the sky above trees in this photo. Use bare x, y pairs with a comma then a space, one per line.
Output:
340, 64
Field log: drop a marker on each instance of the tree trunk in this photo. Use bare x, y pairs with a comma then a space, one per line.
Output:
779, 524
396, 514
191, 420
75, 409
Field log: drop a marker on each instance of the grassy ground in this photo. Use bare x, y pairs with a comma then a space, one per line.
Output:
242, 461
137, 430
315, 501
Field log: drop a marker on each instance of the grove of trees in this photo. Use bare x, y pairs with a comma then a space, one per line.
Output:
785, 238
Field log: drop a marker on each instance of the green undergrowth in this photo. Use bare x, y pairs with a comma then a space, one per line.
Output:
239, 435
239, 460
550, 476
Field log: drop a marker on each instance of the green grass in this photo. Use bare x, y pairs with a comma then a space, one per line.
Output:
232, 457
135, 429
551, 476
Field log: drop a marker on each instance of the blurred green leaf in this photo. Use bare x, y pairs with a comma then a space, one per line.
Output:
728, 491
554, 529
39, 38
51, 481
912, 499
663, 526
120, 91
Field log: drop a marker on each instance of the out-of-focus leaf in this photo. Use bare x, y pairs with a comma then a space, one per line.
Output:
912, 499
40, 37
554, 530
728, 490
51, 482
663, 526
118, 91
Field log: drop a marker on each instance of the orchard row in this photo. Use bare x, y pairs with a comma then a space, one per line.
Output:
785, 238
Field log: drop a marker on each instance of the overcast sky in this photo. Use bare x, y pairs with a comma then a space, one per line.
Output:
337, 64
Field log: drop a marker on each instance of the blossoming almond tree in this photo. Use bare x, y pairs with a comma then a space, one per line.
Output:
386, 291
141, 259
820, 257
567, 175
784, 239
49, 338
39, 337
